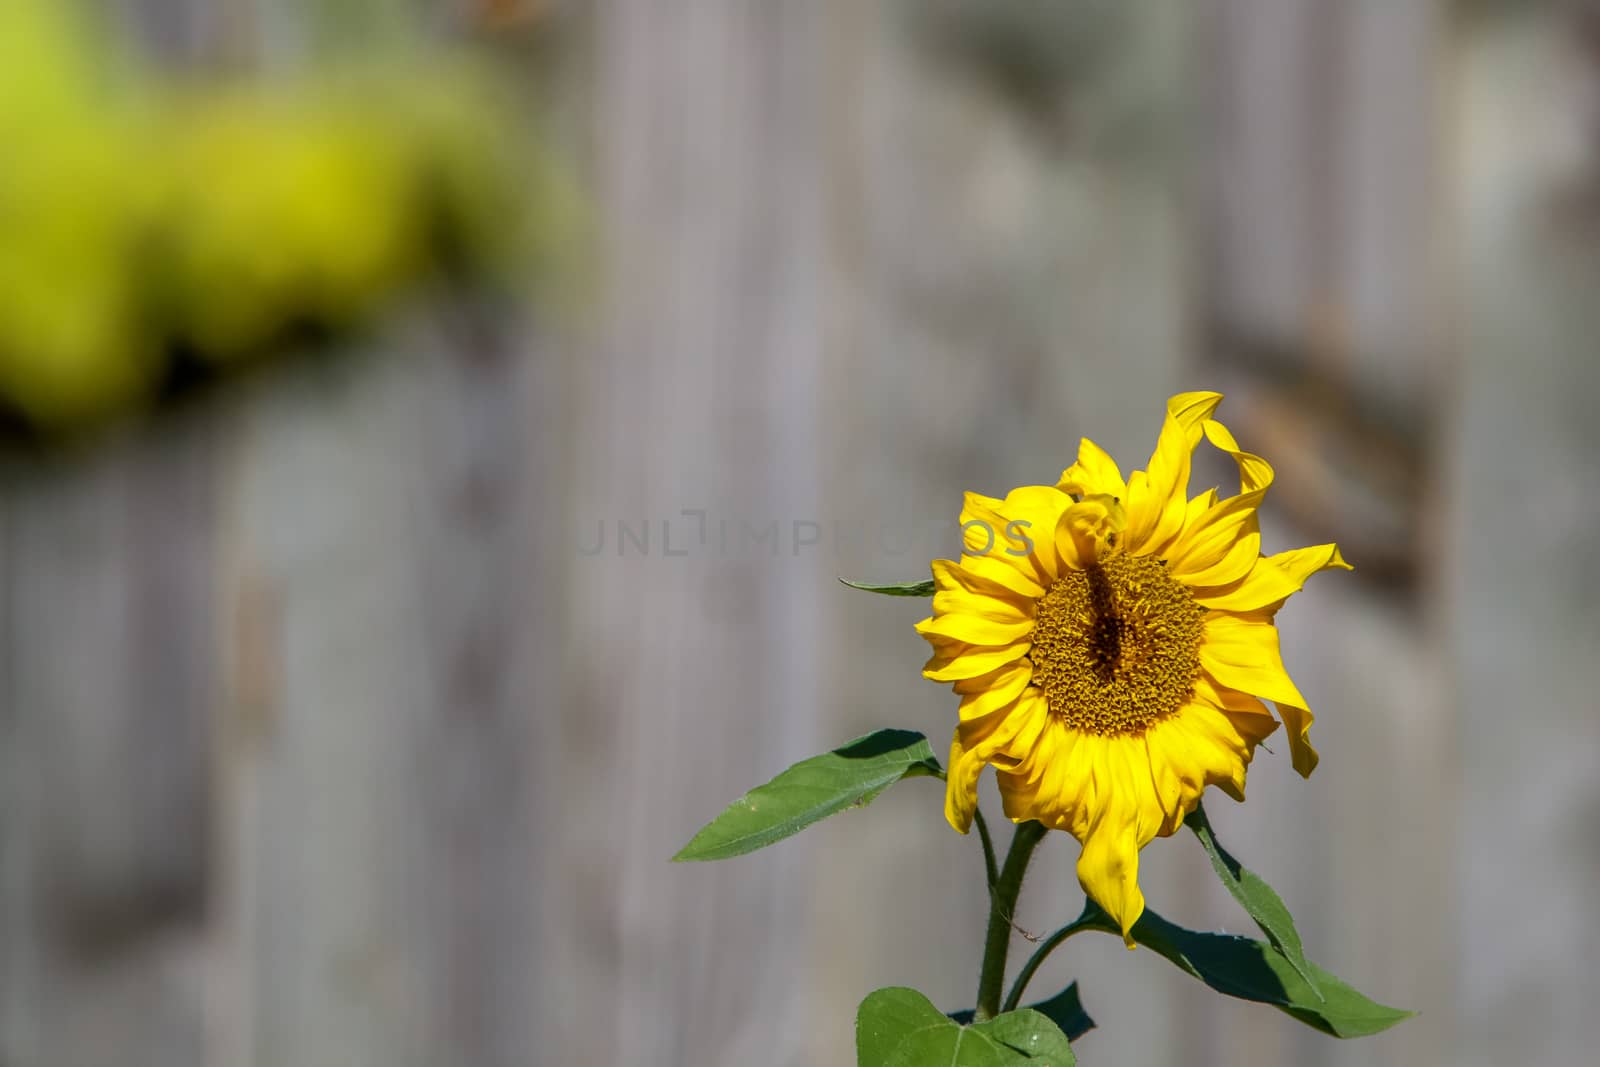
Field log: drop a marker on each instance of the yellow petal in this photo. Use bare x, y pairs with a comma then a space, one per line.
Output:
1234, 564
954, 660
997, 728
1001, 572
1255, 473
985, 693
1157, 503
1206, 551
1035, 512
1198, 506
1264, 584
1208, 691
1050, 779
1095, 473
960, 590
975, 629
1304, 562
1242, 653
1017, 531
1297, 721
961, 786
1108, 867
1177, 770
1271, 581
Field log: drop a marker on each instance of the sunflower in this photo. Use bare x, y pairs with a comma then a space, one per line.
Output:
1112, 641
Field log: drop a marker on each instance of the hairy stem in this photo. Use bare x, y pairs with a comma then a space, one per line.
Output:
1091, 919
1002, 907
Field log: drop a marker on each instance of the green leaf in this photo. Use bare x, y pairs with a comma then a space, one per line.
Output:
899, 1027
1031, 1033
950, 1046
1254, 970
1066, 1011
812, 790
922, 588
1255, 896
885, 1019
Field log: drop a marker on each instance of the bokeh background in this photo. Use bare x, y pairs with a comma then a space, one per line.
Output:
361, 668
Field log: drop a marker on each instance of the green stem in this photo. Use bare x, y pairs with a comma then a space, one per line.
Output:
1002, 907
1089, 920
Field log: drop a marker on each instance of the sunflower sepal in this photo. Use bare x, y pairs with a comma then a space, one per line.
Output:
922, 588
850, 776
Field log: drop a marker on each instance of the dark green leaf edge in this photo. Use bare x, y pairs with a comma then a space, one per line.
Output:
1031, 1033
1065, 1009
1259, 900
1254, 970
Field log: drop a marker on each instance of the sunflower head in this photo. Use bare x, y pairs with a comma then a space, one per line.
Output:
1112, 641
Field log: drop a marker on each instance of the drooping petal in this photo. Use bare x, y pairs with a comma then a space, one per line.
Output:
1242, 653
961, 785
1095, 473
1127, 819
1157, 502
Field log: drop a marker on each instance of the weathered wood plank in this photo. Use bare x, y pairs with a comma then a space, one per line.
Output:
105, 695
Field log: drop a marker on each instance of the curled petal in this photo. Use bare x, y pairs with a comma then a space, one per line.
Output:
1087, 530
1156, 503
1212, 549
1095, 473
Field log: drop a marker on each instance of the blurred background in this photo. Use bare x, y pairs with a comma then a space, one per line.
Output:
430, 431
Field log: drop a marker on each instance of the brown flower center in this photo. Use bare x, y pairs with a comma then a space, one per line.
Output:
1116, 648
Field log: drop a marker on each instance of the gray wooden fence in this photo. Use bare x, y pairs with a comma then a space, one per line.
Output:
325, 738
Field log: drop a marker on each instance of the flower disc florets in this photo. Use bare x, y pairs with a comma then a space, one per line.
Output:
1117, 647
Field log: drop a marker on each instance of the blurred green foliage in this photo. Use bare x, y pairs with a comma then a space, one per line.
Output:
147, 221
